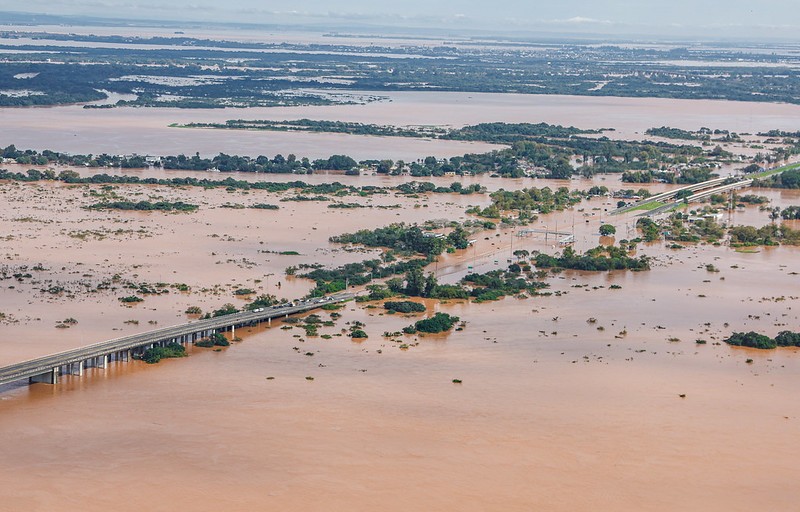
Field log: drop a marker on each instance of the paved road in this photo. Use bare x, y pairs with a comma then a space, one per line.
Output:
42, 365
696, 197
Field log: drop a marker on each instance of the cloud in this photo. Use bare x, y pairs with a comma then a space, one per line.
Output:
581, 20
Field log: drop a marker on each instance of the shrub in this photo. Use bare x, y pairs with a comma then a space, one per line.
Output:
156, 354
440, 322
405, 307
751, 339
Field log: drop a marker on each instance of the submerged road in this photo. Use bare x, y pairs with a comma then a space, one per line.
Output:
48, 368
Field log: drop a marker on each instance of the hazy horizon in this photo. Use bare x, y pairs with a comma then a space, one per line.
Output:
700, 19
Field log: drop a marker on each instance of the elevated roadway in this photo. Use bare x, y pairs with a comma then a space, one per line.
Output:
49, 368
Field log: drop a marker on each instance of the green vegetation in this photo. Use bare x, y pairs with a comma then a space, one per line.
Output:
227, 309
156, 354
187, 72
497, 284
215, 340
405, 307
440, 322
766, 235
357, 274
406, 238
598, 259
607, 230
761, 341
685, 228
131, 299
358, 334
784, 177
528, 202
790, 213
687, 176
146, 206
674, 133
308, 125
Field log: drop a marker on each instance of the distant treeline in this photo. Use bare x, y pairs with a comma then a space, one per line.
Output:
504, 133
535, 150
335, 188
198, 73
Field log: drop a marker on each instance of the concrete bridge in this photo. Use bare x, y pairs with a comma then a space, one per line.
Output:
698, 196
698, 191
48, 369
671, 194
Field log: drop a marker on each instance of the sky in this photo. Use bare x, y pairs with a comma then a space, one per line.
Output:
744, 19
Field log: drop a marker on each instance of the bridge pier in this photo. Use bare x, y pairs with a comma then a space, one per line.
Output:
50, 377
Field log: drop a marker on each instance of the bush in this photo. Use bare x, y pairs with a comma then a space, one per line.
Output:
788, 339
607, 230
219, 340
751, 339
440, 322
156, 354
405, 307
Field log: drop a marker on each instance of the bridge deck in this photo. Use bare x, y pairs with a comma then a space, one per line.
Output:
42, 365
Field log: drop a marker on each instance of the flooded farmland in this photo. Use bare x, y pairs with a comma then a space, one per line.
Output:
608, 391
627, 408
73, 129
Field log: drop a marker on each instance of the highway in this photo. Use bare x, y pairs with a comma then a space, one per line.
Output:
50, 364
669, 195
700, 191
696, 197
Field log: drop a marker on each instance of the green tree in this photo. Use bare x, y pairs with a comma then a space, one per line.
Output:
607, 230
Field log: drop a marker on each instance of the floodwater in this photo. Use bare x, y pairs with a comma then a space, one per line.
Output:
73, 129
555, 411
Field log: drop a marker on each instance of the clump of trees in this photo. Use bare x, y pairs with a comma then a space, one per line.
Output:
440, 322
405, 306
787, 179
755, 340
156, 354
405, 238
227, 309
600, 258
766, 235
529, 201
215, 340
607, 230
145, 206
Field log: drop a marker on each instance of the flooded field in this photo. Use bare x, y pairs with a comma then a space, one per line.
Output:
554, 412
73, 129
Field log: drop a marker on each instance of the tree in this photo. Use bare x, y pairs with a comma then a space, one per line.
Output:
384, 166
415, 282
521, 253
430, 285
607, 230
458, 238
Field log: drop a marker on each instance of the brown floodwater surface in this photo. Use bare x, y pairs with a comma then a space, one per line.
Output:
592, 398
73, 129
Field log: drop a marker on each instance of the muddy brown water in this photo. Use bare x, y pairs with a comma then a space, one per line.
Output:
73, 129
552, 413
